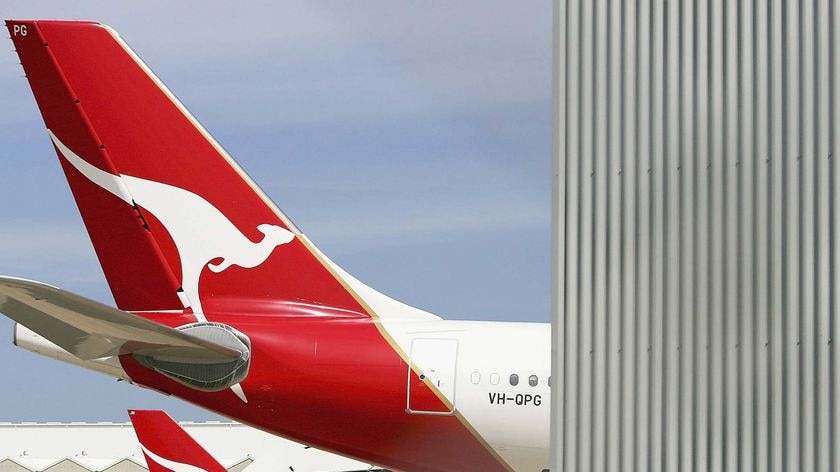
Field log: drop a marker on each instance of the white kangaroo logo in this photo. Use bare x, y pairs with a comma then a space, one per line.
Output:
200, 231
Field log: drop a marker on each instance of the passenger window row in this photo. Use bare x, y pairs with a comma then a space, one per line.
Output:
533, 380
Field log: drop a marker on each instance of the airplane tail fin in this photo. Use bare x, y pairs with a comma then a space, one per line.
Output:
167, 447
175, 222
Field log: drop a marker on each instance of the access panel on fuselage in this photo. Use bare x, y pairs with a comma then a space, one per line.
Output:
432, 368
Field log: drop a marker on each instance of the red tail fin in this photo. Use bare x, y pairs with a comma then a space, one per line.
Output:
167, 447
174, 221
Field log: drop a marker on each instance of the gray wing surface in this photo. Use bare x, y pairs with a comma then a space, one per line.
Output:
92, 330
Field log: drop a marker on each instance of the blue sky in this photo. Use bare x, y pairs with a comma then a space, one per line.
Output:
410, 140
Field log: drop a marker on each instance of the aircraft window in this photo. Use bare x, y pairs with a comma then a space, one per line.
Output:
475, 378
514, 379
532, 380
549, 381
494, 379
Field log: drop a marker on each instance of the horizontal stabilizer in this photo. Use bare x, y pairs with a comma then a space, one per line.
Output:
91, 330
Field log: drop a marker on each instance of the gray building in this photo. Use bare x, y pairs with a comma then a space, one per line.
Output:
697, 208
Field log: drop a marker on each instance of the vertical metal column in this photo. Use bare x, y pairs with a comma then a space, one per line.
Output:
696, 204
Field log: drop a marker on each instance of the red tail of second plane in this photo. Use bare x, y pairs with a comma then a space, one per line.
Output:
167, 447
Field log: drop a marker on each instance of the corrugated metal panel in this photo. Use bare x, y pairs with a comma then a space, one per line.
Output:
696, 213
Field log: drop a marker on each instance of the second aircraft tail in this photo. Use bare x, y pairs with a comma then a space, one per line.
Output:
167, 447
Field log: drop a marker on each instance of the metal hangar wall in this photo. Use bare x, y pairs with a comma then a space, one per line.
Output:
697, 205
